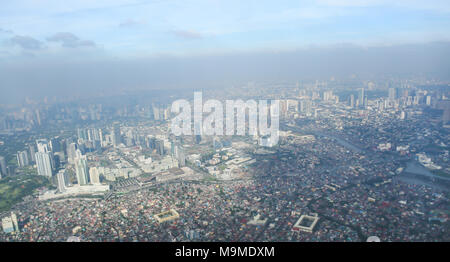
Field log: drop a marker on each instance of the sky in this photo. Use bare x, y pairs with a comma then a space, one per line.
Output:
43, 35
128, 28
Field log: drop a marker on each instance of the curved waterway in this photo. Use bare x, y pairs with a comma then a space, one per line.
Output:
340, 141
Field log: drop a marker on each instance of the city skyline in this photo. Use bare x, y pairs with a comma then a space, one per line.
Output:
133, 45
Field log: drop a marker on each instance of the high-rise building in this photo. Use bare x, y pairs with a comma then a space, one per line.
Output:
173, 148
82, 134
22, 158
308, 107
217, 144
100, 137
352, 101
181, 156
409, 100
446, 116
44, 164
55, 144
301, 106
198, 133
166, 113
156, 114
150, 141
2, 167
43, 146
44, 158
328, 95
403, 115
38, 117
81, 169
94, 176
392, 94
362, 97
115, 135
14, 221
159, 146
62, 181
283, 107
72, 152
428, 101
32, 153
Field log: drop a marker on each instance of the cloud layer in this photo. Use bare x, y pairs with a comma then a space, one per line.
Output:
187, 34
26, 42
70, 40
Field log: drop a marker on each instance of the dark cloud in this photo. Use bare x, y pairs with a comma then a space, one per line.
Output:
129, 23
4, 31
26, 42
86, 43
187, 34
70, 40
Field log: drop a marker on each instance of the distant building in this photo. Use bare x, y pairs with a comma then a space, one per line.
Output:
44, 164
62, 180
22, 158
392, 94
115, 135
403, 115
362, 98
156, 115
81, 169
43, 145
71, 152
94, 176
2, 167
181, 157
32, 150
446, 116
352, 101
44, 158
428, 102
409, 100
159, 146
198, 133
328, 95
55, 144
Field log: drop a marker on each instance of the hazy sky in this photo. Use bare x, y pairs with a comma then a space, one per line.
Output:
46, 35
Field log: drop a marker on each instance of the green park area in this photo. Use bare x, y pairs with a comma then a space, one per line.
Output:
13, 189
